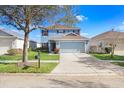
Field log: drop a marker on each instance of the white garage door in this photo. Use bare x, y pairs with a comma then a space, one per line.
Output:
5, 45
72, 47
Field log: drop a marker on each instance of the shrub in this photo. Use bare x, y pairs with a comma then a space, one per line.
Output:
14, 51
56, 50
29, 49
108, 50
43, 49
38, 49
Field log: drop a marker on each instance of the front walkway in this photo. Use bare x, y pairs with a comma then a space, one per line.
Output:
81, 63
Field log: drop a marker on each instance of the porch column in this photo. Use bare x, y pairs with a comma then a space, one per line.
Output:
49, 46
86, 46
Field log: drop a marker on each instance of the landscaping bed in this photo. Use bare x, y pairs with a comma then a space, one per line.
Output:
108, 57
31, 56
13, 68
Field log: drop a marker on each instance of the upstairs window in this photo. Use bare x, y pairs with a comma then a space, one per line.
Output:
60, 31
44, 32
76, 31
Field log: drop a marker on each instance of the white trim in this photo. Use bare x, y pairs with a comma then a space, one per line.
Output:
71, 33
73, 41
7, 37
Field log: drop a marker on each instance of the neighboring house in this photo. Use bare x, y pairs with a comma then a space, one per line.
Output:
66, 39
105, 39
10, 40
33, 44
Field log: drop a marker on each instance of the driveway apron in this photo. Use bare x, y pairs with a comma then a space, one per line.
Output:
81, 63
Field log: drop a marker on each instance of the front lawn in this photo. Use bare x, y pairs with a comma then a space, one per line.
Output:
44, 56
118, 63
108, 57
13, 68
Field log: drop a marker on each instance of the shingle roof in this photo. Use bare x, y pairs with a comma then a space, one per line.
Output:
109, 35
74, 38
58, 26
15, 34
12, 33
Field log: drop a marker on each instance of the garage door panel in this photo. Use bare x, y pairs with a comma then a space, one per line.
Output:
72, 47
5, 45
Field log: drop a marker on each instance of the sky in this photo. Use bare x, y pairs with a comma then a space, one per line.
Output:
94, 20
99, 19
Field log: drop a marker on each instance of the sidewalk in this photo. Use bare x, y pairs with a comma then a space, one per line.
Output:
16, 61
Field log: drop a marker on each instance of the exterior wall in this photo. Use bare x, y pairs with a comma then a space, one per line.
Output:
18, 44
38, 45
10, 43
54, 33
57, 44
5, 44
33, 45
119, 50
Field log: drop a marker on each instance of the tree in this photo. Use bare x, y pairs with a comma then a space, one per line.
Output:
113, 41
69, 16
28, 18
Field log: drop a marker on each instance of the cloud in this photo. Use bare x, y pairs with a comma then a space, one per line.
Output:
120, 27
38, 36
81, 17
84, 34
123, 22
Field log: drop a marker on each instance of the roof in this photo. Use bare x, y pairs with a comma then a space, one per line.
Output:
12, 33
109, 35
34, 41
15, 34
74, 38
58, 26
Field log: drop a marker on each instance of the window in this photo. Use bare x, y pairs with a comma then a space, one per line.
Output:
44, 32
63, 31
60, 31
57, 31
73, 31
77, 32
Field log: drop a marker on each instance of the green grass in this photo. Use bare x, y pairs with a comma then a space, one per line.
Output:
13, 68
108, 57
44, 56
118, 63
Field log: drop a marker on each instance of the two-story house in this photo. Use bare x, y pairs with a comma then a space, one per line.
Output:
66, 39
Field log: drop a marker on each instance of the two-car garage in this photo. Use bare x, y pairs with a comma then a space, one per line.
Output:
72, 47
71, 43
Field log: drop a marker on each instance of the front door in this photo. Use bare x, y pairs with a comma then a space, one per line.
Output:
53, 45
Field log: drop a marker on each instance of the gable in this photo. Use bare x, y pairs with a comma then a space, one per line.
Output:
71, 34
4, 33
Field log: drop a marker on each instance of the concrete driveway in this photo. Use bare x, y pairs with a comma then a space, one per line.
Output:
81, 63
